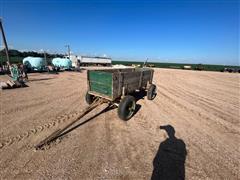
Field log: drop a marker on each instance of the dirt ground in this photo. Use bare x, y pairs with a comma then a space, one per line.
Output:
201, 107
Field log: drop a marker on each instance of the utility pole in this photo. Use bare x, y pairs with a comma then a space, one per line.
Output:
4, 41
68, 47
45, 57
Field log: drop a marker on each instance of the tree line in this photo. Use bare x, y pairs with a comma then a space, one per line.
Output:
17, 56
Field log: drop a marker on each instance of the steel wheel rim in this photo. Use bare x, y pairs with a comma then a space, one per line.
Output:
131, 109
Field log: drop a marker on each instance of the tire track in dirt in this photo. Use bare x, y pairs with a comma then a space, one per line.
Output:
207, 94
206, 97
206, 102
186, 109
227, 126
220, 93
31, 132
166, 93
219, 81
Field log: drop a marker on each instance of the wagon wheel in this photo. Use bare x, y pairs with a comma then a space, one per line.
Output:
89, 98
152, 92
126, 107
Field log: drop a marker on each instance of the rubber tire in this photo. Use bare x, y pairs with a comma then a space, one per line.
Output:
151, 93
89, 98
123, 108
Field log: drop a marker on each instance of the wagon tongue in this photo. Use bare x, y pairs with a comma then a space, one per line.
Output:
60, 132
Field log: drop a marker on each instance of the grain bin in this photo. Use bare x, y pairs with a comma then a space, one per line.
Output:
34, 63
63, 63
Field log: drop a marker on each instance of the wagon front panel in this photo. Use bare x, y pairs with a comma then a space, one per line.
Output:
100, 84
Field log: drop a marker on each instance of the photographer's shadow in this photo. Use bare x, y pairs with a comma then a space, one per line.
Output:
169, 162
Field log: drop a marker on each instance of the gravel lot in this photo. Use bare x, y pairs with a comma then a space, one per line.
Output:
202, 108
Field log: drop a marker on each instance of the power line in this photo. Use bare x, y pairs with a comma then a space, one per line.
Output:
68, 47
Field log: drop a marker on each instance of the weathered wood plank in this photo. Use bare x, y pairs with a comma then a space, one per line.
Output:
130, 79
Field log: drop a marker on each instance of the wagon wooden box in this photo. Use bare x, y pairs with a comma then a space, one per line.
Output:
117, 85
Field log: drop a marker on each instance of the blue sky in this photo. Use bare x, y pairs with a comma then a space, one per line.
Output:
165, 31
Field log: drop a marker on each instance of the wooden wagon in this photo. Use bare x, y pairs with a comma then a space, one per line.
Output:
118, 85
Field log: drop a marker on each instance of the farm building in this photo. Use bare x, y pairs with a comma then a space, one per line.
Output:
74, 60
88, 60
187, 67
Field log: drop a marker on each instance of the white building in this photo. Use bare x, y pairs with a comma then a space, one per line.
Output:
90, 60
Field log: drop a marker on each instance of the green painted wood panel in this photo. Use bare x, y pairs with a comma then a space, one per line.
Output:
101, 82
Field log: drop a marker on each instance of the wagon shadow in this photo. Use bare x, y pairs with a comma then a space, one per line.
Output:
138, 107
40, 79
15, 87
108, 108
139, 95
169, 162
